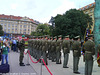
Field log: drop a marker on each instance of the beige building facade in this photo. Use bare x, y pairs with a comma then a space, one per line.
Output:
17, 25
89, 9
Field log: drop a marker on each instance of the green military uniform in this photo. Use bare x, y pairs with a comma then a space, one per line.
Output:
21, 48
66, 51
58, 50
44, 49
89, 47
53, 49
49, 48
76, 47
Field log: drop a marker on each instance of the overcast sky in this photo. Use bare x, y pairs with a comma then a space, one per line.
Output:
40, 10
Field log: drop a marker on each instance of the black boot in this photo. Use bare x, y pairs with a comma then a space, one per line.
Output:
21, 64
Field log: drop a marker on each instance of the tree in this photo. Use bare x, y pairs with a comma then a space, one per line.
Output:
42, 29
1, 31
73, 23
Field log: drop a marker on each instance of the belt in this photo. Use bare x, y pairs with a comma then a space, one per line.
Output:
88, 52
75, 50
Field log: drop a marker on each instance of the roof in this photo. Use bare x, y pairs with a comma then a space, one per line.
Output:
12, 17
87, 6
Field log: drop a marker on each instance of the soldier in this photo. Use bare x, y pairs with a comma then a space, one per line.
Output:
49, 48
76, 47
58, 49
21, 48
89, 47
44, 49
66, 50
53, 49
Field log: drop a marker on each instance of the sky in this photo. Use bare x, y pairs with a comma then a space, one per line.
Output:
40, 10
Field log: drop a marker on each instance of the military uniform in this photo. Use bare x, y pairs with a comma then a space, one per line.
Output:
76, 47
21, 48
58, 50
53, 49
89, 47
44, 50
66, 51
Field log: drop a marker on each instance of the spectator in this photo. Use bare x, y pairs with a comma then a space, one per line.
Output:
4, 53
14, 44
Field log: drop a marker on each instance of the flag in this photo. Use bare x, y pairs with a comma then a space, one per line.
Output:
98, 59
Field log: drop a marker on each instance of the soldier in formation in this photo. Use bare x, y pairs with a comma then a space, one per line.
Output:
89, 47
76, 47
66, 50
51, 47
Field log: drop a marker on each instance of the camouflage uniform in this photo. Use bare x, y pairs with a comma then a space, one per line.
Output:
21, 48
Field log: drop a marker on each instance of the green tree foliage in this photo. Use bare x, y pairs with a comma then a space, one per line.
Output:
1, 31
42, 29
73, 23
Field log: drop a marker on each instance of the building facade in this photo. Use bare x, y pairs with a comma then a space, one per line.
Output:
17, 25
89, 9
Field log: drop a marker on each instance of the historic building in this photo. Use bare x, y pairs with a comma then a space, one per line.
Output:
17, 25
89, 9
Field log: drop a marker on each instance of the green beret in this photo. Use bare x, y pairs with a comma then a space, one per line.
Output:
23, 35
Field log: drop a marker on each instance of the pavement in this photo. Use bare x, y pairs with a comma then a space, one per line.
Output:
57, 69
38, 69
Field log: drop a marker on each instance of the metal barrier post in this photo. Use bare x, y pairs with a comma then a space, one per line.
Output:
41, 66
27, 59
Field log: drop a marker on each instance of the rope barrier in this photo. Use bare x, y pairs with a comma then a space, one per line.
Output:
46, 67
31, 58
38, 61
25, 53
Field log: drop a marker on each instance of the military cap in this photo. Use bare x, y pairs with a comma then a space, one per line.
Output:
45, 35
67, 36
90, 35
60, 36
55, 37
23, 35
77, 37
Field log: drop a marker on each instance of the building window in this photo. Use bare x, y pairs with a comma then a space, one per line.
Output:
24, 32
91, 16
12, 25
88, 6
91, 10
24, 29
16, 25
2, 24
86, 12
28, 29
24, 26
21, 26
28, 26
8, 25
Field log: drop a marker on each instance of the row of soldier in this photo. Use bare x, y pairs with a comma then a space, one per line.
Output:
51, 47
